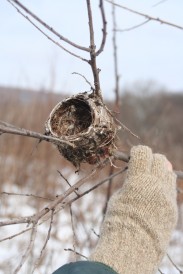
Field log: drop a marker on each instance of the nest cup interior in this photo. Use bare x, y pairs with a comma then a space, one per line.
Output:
72, 117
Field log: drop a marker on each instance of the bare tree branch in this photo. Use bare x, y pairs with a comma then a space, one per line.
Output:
116, 73
117, 100
159, 270
160, 2
77, 253
73, 232
104, 29
25, 195
45, 243
15, 235
92, 87
61, 37
157, 19
11, 129
29, 248
91, 49
172, 262
8, 128
52, 205
118, 155
45, 34
134, 27
97, 185
92, 62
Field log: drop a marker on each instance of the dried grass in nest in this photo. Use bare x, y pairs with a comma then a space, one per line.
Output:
85, 122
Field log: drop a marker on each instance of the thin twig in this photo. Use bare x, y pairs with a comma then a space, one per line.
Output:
61, 37
108, 194
160, 2
159, 270
92, 62
172, 262
134, 27
117, 99
29, 248
92, 87
73, 232
15, 235
61, 175
45, 34
119, 155
25, 195
115, 54
126, 128
96, 186
8, 128
52, 205
157, 19
45, 243
77, 253
93, 230
104, 29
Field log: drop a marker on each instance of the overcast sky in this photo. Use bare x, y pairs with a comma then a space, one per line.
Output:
153, 52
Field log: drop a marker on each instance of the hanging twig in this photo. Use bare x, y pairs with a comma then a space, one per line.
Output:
157, 19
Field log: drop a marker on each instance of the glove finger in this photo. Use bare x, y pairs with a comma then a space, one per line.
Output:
140, 160
159, 166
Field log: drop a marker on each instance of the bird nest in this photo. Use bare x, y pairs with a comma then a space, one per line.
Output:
86, 123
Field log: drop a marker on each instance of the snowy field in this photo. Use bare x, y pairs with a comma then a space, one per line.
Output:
54, 255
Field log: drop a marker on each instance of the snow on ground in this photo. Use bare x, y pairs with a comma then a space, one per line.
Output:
12, 250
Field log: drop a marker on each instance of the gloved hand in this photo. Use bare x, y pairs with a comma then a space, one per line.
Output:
140, 217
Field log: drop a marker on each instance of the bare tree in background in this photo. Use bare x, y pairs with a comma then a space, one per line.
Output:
50, 207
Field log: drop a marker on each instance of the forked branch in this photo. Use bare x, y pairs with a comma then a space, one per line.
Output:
91, 49
51, 29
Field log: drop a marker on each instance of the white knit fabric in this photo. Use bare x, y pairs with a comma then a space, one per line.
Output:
140, 216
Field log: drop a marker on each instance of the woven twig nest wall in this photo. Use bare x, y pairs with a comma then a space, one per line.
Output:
87, 124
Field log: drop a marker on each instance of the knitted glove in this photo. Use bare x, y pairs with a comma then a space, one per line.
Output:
140, 216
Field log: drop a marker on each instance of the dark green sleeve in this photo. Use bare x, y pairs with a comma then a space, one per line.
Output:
85, 267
